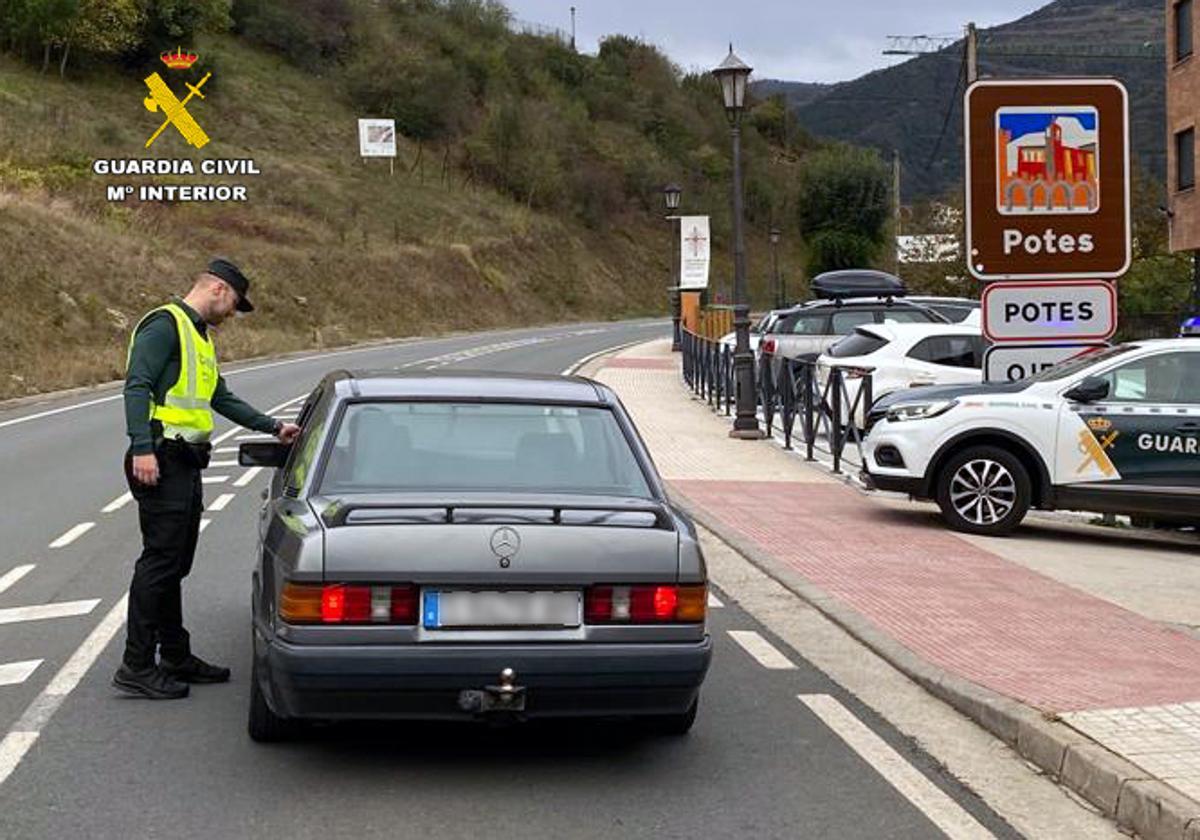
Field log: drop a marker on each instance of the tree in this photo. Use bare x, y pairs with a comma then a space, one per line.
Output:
103, 27
842, 206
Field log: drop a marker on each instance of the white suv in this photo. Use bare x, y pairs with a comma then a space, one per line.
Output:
1116, 431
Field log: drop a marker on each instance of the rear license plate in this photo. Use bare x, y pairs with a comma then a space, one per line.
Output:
459, 609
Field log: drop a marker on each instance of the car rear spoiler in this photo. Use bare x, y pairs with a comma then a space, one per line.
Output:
499, 511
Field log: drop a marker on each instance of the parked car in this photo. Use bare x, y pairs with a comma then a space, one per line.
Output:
1114, 430
762, 325
471, 546
808, 330
953, 309
900, 356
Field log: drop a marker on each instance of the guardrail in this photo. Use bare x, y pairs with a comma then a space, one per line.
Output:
790, 390
708, 370
829, 409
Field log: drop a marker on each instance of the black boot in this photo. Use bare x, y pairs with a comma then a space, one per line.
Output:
149, 682
194, 670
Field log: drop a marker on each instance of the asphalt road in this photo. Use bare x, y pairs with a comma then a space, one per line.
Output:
759, 763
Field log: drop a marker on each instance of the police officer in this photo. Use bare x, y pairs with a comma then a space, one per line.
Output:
172, 388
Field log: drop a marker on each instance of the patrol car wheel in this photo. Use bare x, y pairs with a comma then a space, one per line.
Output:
984, 490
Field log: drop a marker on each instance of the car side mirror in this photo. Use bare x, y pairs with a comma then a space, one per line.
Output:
264, 454
1091, 389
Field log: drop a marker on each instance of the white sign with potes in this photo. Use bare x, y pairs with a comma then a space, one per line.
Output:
694, 252
377, 138
1054, 311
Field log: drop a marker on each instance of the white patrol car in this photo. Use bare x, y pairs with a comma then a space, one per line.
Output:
1116, 430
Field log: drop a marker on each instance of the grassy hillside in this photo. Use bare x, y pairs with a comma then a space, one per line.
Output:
338, 249
905, 107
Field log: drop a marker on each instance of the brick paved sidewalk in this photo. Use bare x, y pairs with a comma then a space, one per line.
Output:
1127, 681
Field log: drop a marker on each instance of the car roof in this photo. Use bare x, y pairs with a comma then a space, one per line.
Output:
918, 331
851, 302
469, 385
949, 301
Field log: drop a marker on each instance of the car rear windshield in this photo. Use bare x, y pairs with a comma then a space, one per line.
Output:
858, 343
481, 447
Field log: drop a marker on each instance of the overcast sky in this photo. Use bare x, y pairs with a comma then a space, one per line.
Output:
797, 40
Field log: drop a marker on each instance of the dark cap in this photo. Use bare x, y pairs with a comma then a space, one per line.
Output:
232, 275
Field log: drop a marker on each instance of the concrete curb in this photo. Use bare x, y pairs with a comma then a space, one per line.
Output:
1117, 787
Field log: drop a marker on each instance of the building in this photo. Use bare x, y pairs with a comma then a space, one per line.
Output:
1054, 167
1183, 108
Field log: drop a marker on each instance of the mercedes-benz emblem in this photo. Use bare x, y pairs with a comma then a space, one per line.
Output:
505, 544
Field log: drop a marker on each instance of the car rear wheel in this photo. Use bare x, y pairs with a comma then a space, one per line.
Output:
984, 490
673, 724
264, 725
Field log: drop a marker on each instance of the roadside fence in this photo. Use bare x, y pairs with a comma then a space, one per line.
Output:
830, 404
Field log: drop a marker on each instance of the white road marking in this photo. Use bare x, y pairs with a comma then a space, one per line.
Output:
766, 653
220, 502
248, 476
15, 673
216, 465
204, 523
73, 534
215, 479
26, 730
226, 450
932, 801
41, 612
714, 601
261, 438
14, 574
117, 503
54, 411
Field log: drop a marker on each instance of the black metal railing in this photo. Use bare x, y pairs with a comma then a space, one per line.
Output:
792, 390
708, 370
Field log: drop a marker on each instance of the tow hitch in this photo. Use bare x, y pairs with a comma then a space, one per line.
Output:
505, 697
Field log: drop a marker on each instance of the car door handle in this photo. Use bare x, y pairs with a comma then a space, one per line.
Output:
1190, 426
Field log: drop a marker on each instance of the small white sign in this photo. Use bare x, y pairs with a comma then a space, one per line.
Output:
1052, 311
1011, 362
695, 248
377, 138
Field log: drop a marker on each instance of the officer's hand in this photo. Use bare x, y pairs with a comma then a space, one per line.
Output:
145, 469
288, 432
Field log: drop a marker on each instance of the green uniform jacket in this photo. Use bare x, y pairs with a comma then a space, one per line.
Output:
153, 369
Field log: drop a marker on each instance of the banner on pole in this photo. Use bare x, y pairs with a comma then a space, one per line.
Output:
377, 138
694, 252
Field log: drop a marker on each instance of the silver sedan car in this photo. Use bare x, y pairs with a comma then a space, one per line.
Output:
471, 546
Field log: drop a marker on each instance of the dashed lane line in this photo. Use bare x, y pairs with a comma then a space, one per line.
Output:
215, 479
41, 612
25, 732
766, 653
204, 523
220, 502
216, 465
14, 574
931, 800
248, 476
117, 503
73, 534
15, 673
714, 601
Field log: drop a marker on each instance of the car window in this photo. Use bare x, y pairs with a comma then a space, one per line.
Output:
858, 343
845, 321
952, 313
481, 447
1162, 378
962, 351
807, 323
1081, 362
312, 419
907, 315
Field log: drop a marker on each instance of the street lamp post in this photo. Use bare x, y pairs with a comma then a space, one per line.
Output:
780, 292
733, 74
671, 196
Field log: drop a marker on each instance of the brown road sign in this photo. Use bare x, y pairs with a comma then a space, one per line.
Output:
1047, 179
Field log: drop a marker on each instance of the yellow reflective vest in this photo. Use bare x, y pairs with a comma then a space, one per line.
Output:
186, 411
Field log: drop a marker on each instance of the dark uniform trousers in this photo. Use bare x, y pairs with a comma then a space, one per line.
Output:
169, 515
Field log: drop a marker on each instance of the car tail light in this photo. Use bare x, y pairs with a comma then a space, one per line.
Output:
338, 603
768, 345
645, 604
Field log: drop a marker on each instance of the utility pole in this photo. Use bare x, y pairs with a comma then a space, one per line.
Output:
896, 207
972, 53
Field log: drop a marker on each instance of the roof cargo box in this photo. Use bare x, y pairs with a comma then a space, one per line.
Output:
857, 282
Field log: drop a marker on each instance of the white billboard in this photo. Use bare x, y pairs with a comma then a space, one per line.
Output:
377, 138
694, 252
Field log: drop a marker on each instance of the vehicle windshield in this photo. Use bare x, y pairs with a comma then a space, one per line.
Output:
858, 343
1075, 364
451, 447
